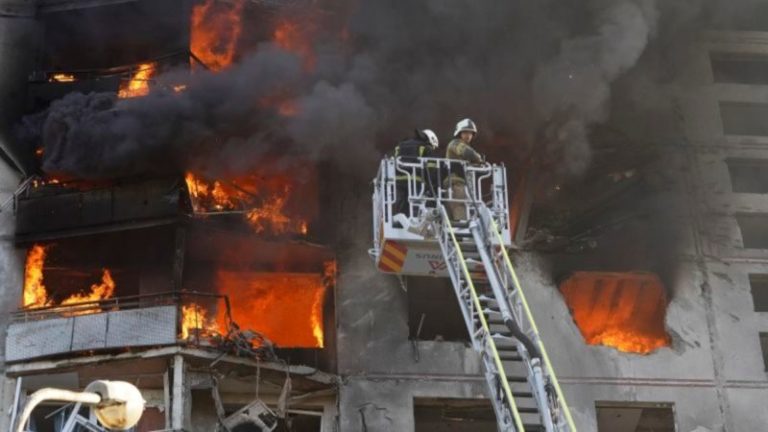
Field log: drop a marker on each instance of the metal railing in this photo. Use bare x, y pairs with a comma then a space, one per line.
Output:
123, 72
427, 183
12, 201
176, 298
32, 183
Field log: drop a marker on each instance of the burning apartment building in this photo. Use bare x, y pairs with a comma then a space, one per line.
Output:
187, 206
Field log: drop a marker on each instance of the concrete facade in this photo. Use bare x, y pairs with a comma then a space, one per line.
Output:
713, 374
19, 33
12, 271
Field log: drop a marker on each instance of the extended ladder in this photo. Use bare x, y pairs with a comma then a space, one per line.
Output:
413, 236
521, 382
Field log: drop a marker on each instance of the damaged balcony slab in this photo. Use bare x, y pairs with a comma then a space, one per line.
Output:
193, 355
133, 322
57, 211
182, 386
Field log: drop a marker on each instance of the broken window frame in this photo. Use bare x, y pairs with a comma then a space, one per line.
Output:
635, 405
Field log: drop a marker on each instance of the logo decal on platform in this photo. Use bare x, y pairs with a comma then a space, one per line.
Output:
437, 265
392, 257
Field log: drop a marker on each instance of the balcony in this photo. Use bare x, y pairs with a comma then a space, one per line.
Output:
117, 323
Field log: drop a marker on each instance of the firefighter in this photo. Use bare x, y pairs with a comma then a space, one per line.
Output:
460, 148
423, 144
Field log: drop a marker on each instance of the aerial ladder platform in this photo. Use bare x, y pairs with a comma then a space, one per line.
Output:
423, 240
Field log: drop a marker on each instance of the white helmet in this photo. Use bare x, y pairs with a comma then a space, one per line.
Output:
465, 125
431, 137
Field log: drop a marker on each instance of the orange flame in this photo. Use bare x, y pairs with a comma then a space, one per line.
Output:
329, 281
330, 270
208, 197
286, 307
195, 320
99, 291
281, 101
262, 200
316, 319
38, 182
216, 28
62, 77
138, 85
35, 294
288, 108
625, 311
295, 38
270, 214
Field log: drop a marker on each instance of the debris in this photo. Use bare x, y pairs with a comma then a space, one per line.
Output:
244, 343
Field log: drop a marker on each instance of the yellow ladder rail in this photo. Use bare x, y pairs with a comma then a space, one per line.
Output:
529, 315
484, 322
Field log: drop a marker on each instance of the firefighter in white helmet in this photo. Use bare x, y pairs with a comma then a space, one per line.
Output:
423, 144
460, 148
431, 138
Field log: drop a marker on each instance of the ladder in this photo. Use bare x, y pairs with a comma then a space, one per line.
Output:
522, 385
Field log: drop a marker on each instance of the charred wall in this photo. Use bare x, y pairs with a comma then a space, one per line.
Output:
11, 260
110, 36
633, 209
18, 35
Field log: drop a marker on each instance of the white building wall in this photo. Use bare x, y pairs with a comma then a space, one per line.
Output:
11, 277
714, 372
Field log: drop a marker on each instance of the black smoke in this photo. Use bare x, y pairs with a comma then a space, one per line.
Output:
536, 75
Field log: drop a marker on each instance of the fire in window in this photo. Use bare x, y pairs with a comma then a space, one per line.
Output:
625, 311
81, 271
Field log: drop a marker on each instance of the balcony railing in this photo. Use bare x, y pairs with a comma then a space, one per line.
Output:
130, 321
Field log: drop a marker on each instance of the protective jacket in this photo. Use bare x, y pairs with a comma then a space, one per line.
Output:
410, 149
458, 149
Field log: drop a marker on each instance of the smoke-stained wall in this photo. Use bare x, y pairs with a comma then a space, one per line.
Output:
536, 75
12, 280
18, 30
18, 33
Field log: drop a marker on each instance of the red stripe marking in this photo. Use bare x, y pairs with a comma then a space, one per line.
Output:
398, 246
384, 266
392, 257
396, 253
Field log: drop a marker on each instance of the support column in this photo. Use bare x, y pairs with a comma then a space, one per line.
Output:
330, 417
167, 399
181, 402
